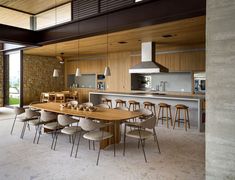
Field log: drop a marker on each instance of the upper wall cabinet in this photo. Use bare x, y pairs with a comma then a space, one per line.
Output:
183, 62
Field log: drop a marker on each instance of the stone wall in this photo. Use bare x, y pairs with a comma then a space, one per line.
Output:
37, 76
1, 79
220, 69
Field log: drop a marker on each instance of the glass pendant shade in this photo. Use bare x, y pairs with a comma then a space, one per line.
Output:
78, 73
55, 73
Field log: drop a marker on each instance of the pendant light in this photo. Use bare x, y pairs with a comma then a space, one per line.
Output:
107, 71
56, 73
78, 73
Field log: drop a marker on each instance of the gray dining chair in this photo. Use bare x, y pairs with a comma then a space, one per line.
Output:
141, 133
93, 133
69, 129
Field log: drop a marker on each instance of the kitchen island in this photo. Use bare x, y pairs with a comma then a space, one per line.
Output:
194, 102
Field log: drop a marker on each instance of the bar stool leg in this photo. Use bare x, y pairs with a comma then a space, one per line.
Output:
176, 111
188, 119
185, 119
154, 110
162, 115
179, 118
170, 115
167, 118
158, 115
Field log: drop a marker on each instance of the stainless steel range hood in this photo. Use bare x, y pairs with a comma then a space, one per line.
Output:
148, 64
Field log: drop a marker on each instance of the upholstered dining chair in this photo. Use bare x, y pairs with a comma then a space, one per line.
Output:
88, 104
29, 115
47, 120
105, 106
93, 133
67, 122
141, 133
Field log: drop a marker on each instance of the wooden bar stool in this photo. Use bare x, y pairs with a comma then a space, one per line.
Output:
120, 102
161, 113
107, 101
133, 105
151, 106
185, 120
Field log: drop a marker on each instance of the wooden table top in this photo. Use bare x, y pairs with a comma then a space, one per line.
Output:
100, 114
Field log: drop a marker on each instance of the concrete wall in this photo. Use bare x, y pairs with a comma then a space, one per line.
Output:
220, 69
1, 79
37, 76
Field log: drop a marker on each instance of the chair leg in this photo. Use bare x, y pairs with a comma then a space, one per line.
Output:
185, 120
78, 144
93, 145
170, 116
13, 125
28, 126
155, 138
53, 139
114, 146
39, 134
89, 144
23, 130
142, 145
74, 139
179, 118
167, 123
57, 134
124, 139
97, 162
34, 140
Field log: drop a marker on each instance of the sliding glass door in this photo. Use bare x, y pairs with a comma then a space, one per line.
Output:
13, 79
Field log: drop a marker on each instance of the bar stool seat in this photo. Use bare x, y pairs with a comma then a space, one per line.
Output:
120, 102
185, 120
133, 105
151, 106
161, 113
107, 101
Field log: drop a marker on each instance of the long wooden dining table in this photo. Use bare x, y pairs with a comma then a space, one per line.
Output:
107, 115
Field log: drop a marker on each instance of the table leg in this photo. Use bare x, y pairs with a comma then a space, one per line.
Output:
114, 130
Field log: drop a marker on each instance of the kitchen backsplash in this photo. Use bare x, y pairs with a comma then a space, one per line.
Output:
174, 81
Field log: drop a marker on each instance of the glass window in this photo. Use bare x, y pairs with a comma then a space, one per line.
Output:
54, 16
14, 18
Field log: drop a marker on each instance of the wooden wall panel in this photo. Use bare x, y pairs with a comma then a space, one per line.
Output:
120, 63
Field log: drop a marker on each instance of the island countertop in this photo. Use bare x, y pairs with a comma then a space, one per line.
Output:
154, 94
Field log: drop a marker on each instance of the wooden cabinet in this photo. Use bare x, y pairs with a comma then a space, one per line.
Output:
183, 62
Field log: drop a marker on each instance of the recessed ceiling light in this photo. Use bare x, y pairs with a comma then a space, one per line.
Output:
122, 42
168, 35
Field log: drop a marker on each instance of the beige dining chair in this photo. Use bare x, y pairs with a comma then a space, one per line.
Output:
122, 108
29, 115
88, 104
145, 113
47, 120
141, 133
69, 129
94, 133
60, 97
105, 106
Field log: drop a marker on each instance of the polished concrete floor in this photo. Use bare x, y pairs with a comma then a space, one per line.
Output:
182, 157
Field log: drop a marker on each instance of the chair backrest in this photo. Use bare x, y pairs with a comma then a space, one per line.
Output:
64, 120
29, 113
73, 102
47, 116
105, 106
88, 104
149, 123
88, 124
122, 108
19, 110
145, 112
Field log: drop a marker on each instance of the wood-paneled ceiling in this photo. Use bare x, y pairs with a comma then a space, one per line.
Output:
32, 6
185, 33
